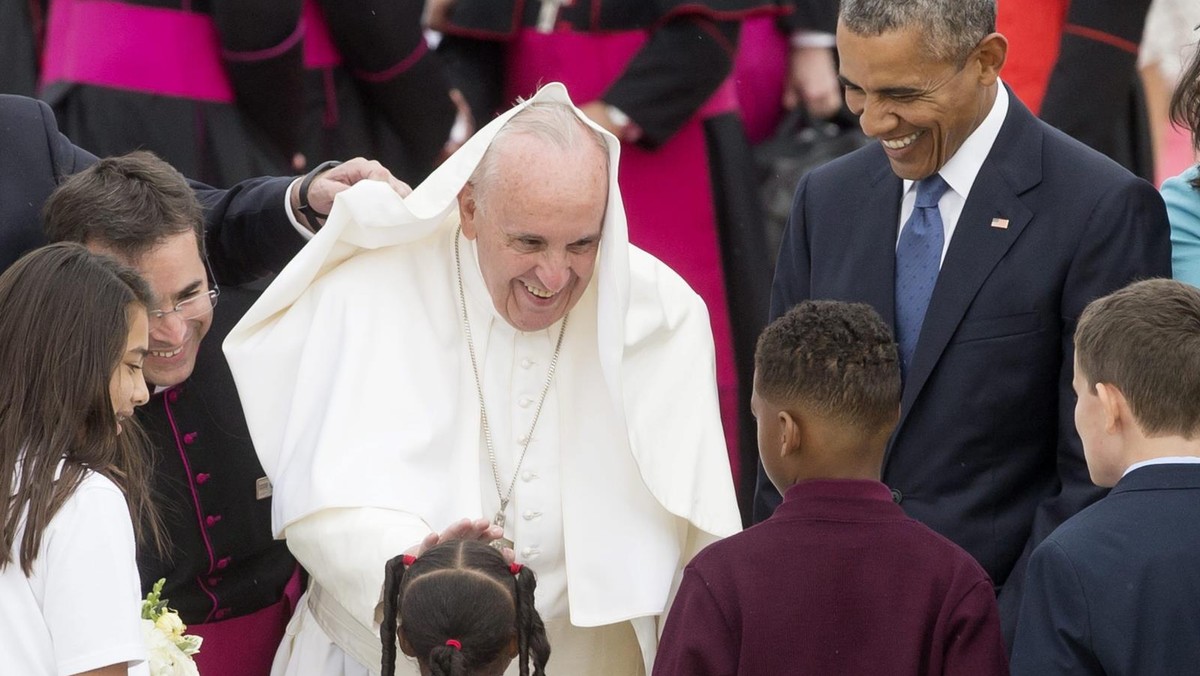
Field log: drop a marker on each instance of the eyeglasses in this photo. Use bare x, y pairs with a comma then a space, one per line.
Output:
189, 308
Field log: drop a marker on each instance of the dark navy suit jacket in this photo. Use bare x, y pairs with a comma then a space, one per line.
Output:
1116, 589
986, 451
248, 232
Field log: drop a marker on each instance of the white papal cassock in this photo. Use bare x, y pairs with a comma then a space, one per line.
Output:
355, 376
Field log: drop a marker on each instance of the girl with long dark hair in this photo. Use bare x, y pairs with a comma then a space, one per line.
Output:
73, 334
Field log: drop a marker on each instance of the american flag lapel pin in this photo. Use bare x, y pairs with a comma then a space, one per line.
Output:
1000, 223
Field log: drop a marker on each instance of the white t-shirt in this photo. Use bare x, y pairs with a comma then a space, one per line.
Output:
80, 609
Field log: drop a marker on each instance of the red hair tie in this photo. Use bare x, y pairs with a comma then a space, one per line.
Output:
454, 644
515, 568
408, 560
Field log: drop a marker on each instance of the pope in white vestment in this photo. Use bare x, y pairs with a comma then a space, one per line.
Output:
356, 373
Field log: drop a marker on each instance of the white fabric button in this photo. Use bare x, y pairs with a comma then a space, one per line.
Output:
528, 476
530, 515
527, 552
526, 363
525, 402
523, 439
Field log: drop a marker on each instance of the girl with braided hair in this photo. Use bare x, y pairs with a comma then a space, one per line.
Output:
462, 610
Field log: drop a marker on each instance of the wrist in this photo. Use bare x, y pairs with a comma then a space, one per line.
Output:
302, 203
626, 129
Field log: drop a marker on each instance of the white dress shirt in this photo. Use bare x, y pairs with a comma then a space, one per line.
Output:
960, 171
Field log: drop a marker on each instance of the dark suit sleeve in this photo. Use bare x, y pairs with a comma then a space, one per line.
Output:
66, 158
248, 231
791, 286
34, 158
1053, 632
697, 640
1127, 238
973, 642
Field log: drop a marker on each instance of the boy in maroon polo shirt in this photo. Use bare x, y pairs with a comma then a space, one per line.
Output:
839, 580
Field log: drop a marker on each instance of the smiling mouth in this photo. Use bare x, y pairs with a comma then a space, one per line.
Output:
902, 142
166, 354
540, 293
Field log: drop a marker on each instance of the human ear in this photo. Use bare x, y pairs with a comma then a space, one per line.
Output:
467, 210
406, 647
991, 52
1112, 402
513, 648
789, 434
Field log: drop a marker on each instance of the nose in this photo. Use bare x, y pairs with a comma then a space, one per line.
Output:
554, 271
876, 121
169, 330
141, 394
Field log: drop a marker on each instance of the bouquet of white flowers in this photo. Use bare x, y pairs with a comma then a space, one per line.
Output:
170, 650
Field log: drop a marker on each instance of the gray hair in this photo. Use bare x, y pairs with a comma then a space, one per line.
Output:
950, 28
551, 121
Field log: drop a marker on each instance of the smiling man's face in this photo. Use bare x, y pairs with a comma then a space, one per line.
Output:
175, 272
919, 108
537, 228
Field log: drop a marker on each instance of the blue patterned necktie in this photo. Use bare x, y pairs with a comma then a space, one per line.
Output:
918, 260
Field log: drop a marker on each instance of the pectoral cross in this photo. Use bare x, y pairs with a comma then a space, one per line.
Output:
548, 15
503, 542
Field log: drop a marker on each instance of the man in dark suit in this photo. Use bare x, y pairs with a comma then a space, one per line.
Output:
1115, 590
980, 233
248, 232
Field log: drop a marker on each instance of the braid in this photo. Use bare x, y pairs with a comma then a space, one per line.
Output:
531, 632
445, 660
393, 580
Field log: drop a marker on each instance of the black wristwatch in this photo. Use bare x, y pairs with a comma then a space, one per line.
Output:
305, 208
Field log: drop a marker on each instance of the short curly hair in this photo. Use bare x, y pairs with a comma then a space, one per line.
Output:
836, 359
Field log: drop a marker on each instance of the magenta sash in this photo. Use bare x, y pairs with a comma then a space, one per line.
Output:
246, 645
168, 52
319, 51
760, 69
667, 191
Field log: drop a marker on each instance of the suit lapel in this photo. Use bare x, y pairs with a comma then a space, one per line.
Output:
870, 251
1013, 166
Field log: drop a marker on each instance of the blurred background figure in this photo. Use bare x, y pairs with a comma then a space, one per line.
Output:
213, 88
1182, 192
225, 90
1169, 42
1074, 64
372, 87
656, 75
20, 25
787, 62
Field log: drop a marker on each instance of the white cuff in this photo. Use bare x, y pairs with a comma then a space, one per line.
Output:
287, 209
806, 38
